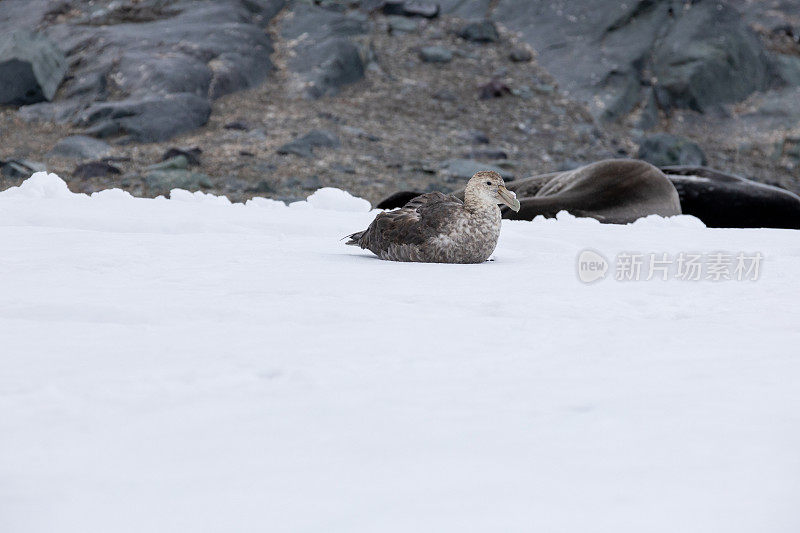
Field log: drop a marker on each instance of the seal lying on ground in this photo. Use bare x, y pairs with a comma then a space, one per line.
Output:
616, 191
725, 201
620, 191
438, 228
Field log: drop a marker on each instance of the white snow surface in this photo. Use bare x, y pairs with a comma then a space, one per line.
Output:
193, 365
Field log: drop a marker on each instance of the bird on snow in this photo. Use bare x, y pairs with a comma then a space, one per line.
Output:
439, 228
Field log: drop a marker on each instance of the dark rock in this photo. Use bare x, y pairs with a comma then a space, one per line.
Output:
520, 55
709, 57
435, 54
663, 149
163, 181
463, 169
152, 54
325, 58
237, 125
421, 9
410, 8
304, 146
146, 120
95, 169
192, 155
602, 51
80, 147
31, 68
20, 168
484, 31
392, 7
494, 88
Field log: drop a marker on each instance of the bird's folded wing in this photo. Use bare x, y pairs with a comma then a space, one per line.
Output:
421, 219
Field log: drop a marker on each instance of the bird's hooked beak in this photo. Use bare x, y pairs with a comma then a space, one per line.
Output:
508, 198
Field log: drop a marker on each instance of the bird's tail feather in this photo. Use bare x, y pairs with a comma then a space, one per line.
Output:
355, 238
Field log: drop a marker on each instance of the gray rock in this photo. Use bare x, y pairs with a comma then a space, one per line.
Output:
664, 149
304, 146
20, 168
520, 55
463, 169
484, 31
152, 54
601, 51
788, 69
435, 54
466, 8
777, 109
31, 68
146, 120
325, 56
81, 147
60, 112
400, 25
163, 181
709, 57
179, 162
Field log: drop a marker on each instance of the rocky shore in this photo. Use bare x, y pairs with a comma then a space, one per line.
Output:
272, 98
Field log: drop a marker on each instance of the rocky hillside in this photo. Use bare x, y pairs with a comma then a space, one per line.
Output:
276, 98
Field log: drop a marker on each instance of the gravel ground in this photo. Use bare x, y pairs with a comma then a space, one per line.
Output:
396, 127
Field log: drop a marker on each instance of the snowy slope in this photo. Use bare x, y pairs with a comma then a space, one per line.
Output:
188, 365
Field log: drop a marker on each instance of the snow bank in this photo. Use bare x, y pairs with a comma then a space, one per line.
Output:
338, 200
189, 364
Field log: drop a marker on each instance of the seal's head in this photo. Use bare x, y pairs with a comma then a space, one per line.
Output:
487, 188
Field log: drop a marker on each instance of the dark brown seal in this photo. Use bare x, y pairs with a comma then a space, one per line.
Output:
616, 191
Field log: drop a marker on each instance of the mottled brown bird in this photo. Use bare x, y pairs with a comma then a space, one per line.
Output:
439, 228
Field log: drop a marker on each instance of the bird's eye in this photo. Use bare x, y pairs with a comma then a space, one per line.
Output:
488, 183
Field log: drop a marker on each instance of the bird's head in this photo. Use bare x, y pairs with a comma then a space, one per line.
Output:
487, 187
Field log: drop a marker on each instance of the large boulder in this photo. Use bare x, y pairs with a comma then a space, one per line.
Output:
664, 149
81, 147
612, 54
325, 54
709, 57
148, 119
135, 62
31, 68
